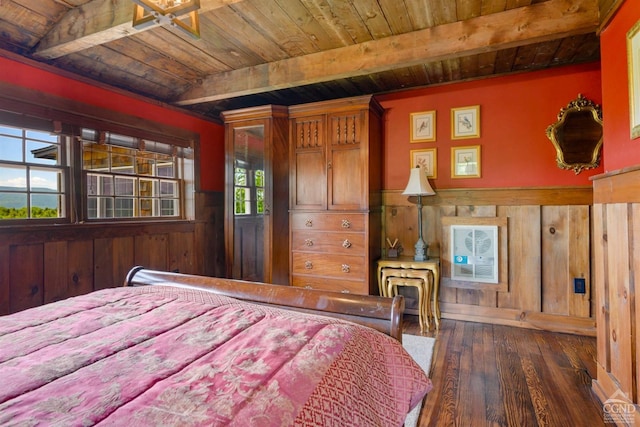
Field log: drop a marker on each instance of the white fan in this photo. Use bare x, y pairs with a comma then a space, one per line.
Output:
483, 242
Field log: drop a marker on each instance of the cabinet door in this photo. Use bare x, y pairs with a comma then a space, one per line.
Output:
309, 164
346, 160
246, 203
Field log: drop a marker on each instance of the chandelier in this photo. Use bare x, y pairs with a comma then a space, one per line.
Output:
151, 12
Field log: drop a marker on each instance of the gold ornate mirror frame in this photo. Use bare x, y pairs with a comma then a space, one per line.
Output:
577, 135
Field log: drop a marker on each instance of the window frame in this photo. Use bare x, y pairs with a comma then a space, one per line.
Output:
22, 108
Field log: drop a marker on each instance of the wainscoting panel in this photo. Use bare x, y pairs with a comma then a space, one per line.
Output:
548, 245
616, 240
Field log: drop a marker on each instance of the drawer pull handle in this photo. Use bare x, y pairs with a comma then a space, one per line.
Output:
308, 265
346, 268
308, 223
346, 223
346, 244
345, 291
308, 287
308, 242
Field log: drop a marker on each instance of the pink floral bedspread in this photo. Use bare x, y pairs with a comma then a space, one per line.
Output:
165, 356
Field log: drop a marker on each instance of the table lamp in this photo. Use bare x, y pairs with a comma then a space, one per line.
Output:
419, 186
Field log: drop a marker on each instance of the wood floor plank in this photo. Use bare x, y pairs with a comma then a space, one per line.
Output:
494, 375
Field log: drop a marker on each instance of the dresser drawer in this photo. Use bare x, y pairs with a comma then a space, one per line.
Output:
353, 222
331, 285
349, 267
328, 242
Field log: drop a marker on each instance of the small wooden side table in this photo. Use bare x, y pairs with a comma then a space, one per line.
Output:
408, 263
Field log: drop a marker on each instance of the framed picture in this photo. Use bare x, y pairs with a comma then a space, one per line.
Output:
465, 162
633, 59
465, 122
423, 126
427, 160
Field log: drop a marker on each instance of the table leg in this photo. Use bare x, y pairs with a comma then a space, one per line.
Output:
436, 297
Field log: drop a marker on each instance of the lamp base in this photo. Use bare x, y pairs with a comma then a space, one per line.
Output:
420, 251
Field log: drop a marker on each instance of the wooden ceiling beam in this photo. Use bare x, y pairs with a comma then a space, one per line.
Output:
98, 22
536, 23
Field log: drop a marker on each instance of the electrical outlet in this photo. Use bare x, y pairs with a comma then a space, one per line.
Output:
579, 285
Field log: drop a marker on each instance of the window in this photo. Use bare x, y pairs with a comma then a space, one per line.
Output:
126, 182
130, 178
123, 177
248, 190
32, 174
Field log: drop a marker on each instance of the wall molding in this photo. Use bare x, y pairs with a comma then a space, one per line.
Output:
570, 195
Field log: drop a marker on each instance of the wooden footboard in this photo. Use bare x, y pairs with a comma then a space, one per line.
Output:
382, 314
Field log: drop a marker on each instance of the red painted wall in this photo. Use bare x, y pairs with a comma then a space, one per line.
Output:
621, 151
514, 114
211, 134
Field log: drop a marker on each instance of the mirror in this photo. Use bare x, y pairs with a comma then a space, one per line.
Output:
248, 203
577, 135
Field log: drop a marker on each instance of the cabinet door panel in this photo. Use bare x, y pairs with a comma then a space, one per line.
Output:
309, 162
346, 162
346, 186
310, 180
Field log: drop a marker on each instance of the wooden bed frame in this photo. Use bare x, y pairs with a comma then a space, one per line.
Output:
380, 313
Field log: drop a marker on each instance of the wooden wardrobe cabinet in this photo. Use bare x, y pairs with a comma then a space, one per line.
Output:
335, 198
257, 194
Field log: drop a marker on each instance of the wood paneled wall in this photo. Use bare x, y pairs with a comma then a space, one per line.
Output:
41, 264
617, 270
548, 245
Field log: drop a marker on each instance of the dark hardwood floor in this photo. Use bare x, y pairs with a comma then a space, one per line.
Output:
492, 375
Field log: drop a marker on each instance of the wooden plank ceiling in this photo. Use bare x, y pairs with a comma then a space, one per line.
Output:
256, 52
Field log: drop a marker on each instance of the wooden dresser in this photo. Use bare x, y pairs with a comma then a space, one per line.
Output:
335, 194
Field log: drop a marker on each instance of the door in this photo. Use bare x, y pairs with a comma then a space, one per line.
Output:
247, 207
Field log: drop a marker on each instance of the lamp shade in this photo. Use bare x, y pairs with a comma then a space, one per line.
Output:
418, 184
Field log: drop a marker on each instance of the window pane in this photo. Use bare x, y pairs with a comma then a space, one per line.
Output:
41, 136
13, 177
45, 180
122, 164
123, 207
147, 187
242, 199
145, 166
124, 186
13, 205
95, 157
8, 130
240, 176
46, 206
11, 149
169, 207
168, 189
260, 200
43, 153
259, 178
92, 207
165, 166
148, 207
105, 207
105, 185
